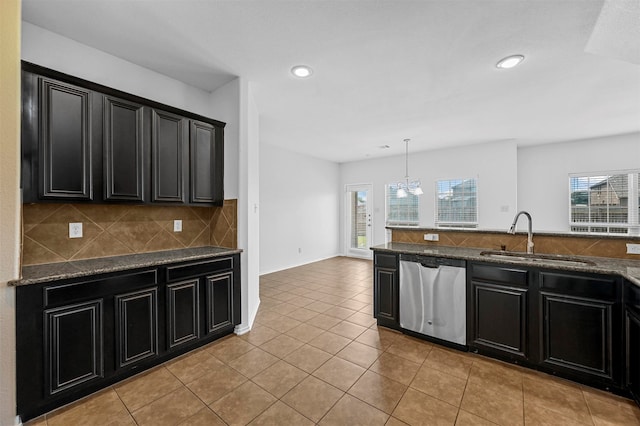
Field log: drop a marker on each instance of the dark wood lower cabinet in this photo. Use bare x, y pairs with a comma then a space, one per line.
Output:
632, 339
498, 311
565, 323
136, 326
219, 301
632, 353
500, 319
183, 313
580, 320
73, 345
386, 290
577, 335
77, 336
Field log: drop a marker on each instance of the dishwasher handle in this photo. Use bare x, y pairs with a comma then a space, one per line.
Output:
432, 261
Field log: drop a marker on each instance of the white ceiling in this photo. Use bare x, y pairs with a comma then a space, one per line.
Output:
383, 70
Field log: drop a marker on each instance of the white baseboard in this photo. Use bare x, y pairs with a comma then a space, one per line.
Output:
301, 264
245, 328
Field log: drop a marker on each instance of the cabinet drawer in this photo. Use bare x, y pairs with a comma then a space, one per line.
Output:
386, 260
596, 287
499, 274
194, 269
56, 295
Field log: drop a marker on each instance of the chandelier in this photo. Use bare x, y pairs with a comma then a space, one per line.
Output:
408, 187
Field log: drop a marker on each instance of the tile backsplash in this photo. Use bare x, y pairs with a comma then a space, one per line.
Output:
112, 230
575, 245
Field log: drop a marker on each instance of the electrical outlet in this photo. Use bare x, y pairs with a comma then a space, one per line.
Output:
432, 237
75, 230
177, 225
299, 250
633, 248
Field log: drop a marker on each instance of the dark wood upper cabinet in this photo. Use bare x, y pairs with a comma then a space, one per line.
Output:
85, 142
64, 141
123, 150
170, 150
204, 163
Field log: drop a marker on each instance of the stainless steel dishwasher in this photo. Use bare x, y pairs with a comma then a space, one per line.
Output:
433, 297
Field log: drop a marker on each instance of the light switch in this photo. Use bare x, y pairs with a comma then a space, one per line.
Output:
177, 225
75, 230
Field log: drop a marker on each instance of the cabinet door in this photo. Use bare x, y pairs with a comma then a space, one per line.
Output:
577, 335
632, 353
183, 312
499, 316
64, 141
219, 301
136, 326
169, 146
123, 150
73, 345
386, 296
203, 163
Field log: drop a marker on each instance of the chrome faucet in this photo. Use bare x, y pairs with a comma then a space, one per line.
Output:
512, 230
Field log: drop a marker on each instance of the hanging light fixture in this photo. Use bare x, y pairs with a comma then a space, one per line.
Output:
405, 188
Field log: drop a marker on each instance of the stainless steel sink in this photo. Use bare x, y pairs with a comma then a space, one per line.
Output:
543, 259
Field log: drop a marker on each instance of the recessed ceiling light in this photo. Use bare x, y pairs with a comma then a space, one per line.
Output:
301, 71
509, 61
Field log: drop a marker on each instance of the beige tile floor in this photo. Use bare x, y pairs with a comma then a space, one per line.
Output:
315, 356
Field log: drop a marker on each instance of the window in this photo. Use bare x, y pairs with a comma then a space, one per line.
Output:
605, 203
457, 203
401, 211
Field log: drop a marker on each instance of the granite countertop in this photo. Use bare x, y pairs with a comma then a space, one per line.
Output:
629, 269
36, 274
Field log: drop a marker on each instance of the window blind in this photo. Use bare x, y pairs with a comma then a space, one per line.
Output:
401, 211
605, 203
457, 203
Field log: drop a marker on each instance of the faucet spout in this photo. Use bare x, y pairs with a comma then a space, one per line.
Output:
512, 229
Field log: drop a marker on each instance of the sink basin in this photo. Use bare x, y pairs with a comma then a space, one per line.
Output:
543, 259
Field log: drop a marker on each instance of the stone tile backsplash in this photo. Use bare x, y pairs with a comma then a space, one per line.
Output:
112, 230
552, 244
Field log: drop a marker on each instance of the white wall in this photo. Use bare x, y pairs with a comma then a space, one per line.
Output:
493, 164
51, 50
225, 106
9, 201
543, 173
299, 202
248, 205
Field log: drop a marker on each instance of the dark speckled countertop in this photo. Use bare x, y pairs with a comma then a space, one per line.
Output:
629, 269
36, 274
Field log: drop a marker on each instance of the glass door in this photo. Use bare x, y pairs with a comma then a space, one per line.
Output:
359, 220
